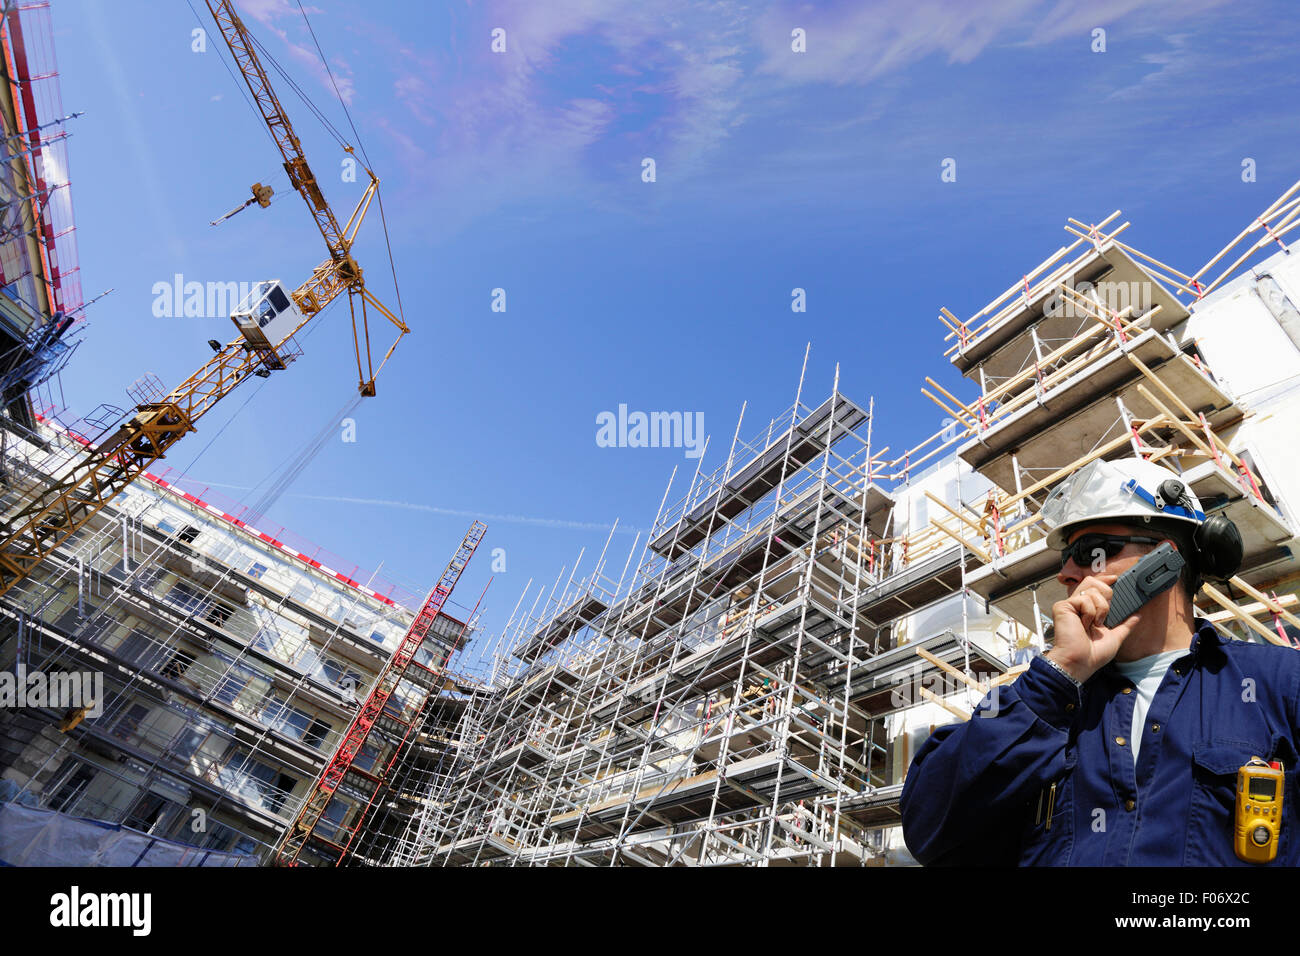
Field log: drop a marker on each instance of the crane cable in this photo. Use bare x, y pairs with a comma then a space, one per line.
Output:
333, 83
293, 467
364, 155
302, 94
238, 84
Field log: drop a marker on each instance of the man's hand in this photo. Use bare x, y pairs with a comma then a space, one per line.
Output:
1083, 644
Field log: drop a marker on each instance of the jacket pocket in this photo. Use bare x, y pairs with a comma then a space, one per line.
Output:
1212, 815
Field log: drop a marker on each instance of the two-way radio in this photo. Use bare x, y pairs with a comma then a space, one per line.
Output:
1153, 575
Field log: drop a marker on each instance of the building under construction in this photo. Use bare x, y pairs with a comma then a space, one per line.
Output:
745, 686
232, 656
749, 688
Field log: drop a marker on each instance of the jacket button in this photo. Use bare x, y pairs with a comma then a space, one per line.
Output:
1155, 728
1069, 708
1128, 690
1120, 741
1130, 804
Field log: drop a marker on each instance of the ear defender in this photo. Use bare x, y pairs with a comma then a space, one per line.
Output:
1218, 543
1218, 547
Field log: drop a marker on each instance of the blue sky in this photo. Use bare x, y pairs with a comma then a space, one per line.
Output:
522, 171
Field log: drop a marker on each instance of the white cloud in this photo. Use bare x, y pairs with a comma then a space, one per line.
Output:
1080, 17
599, 84
853, 44
266, 11
858, 43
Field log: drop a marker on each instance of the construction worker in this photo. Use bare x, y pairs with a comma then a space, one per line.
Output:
1122, 745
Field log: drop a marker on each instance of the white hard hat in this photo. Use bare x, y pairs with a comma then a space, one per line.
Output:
1118, 491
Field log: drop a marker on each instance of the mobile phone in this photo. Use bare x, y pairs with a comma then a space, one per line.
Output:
1154, 574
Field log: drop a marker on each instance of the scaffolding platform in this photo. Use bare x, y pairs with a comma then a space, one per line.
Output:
659, 605
807, 439
560, 628
1007, 582
1068, 421
553, 679
482, 848
1262, 529
886, 682
744, 784
875, 808
774, 639
709, 666
663, 606
525, 754
922, 583
1003, 345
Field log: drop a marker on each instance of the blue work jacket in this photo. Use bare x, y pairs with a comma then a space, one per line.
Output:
1043, 773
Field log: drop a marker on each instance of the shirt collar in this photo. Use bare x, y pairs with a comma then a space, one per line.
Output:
1206, 636
1205, 640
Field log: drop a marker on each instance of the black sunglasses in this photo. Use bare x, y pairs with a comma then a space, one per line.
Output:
1084, 550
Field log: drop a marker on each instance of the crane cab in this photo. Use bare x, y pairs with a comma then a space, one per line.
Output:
267, 315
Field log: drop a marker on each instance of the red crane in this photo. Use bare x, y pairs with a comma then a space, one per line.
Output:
363, 784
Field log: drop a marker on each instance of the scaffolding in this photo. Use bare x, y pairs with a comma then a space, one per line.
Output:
750, 688
700, 711
1069, 371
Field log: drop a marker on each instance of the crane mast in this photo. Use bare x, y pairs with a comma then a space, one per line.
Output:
374, 719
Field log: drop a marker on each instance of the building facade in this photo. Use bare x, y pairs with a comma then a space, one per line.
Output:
231, 664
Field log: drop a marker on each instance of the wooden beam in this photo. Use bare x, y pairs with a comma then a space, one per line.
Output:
1173, 396
1267, 601
944, 316
1017, 287
1172, 419
973, 415
1175, 273
1009, 676
1251, 609
949, 669
975, 549
930, 695
960, 517
1242, 616
956, 415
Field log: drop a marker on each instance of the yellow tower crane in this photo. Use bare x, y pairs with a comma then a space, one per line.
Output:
267, 321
